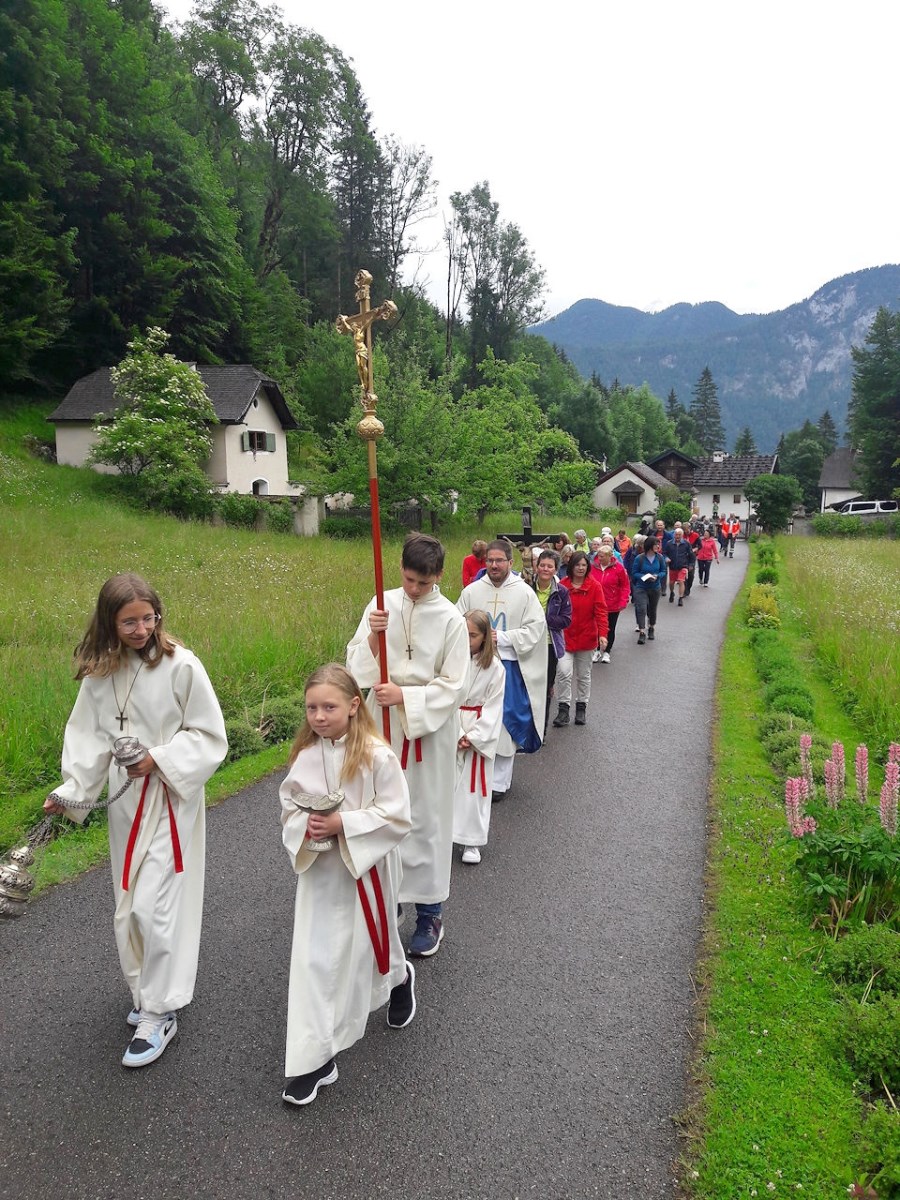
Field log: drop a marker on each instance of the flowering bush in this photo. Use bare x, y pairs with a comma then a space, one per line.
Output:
762, 607
847, 859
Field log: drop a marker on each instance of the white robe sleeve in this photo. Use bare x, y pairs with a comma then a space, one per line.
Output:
188, 760
485, 733
369, 833
362, 664
531, 632
86, 754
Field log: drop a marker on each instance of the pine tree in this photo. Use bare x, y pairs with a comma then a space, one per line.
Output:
827, 432
874, 413
745, 444
706, 412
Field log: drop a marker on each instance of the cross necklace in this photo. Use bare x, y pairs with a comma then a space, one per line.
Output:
407, 632
121, 718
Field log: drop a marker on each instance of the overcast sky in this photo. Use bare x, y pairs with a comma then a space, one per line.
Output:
650, 153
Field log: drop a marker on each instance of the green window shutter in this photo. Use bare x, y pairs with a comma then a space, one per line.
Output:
270, 443
245, 440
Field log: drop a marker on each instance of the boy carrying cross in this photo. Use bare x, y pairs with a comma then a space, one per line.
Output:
428, 664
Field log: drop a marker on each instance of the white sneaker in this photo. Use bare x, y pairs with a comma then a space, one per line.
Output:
605, 657
471, 854
595, 657
151, 1037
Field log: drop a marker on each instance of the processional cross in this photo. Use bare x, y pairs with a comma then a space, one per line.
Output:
370, 429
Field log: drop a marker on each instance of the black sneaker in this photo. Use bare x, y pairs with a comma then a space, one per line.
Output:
651, 634
671, 597
641, 638
402, 1004
303, 1089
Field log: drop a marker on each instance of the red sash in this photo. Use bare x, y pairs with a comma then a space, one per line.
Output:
135, 829
381, 945
404, 753
476, 757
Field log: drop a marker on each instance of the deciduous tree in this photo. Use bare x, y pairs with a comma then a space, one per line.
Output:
774, 498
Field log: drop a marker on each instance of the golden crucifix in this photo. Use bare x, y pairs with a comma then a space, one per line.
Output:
359, 324
370, 429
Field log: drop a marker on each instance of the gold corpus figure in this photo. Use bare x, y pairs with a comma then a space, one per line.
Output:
359, 324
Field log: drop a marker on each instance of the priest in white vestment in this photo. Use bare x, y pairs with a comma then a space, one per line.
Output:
428, 663
520, 628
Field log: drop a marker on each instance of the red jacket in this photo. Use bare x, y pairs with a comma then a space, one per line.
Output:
589, 615
708, 550
471, 565
614, 581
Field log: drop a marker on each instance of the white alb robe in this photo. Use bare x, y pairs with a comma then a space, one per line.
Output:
516, 614
433, 683
472, 799
334, 978
172, 709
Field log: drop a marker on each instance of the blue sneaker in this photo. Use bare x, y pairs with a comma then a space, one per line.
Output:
134, 1018
428, 936
151, 1037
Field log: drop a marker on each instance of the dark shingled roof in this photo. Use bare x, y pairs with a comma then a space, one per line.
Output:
837, 469
652, 478
734, 472
692, 462
231, 390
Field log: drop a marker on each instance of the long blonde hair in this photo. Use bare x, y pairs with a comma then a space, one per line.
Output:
482, 622
100, 652
362, 731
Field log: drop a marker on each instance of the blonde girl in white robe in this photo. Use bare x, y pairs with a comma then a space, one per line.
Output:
139, 681
346, 902
480, 723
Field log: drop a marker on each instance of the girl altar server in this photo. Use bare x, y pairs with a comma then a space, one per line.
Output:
344, 812
138, 681
480, 722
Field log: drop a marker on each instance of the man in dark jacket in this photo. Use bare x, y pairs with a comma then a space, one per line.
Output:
680, 557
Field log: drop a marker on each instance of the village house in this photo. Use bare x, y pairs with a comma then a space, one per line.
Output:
249, 453
836, 478
719, 483
632, 486
678, 468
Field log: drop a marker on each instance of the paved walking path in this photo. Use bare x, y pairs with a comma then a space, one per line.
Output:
548, 1054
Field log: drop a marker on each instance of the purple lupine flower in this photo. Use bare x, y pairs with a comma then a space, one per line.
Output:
808, 825
894, 752
890, 792
792, 805
832, 793
862, 773
840, 772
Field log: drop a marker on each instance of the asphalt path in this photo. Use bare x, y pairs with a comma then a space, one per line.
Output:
549, 1051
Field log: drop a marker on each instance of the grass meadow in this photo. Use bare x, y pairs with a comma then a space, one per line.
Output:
848, 596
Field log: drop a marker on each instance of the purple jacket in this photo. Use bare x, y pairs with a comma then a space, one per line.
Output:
559, 615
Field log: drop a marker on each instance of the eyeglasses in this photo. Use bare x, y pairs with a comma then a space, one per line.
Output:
496, 562
149, 622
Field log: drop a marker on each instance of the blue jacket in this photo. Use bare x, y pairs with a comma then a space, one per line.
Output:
640, 566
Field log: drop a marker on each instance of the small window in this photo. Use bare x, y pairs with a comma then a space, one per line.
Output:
258, 441
736, 498
716, 499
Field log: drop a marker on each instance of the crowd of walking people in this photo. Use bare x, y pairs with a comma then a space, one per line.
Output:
403, 749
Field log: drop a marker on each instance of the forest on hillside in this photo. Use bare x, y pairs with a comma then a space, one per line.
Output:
223, 181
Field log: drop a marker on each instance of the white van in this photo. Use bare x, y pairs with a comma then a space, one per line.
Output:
862, 507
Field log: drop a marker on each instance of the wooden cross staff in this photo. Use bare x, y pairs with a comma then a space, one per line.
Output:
370, 429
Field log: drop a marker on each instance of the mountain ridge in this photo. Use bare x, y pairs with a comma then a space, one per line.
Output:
773, 370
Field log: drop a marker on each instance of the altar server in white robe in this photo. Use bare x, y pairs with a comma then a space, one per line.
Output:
138, 681
344, 813
428, 662
520, 632
480, 723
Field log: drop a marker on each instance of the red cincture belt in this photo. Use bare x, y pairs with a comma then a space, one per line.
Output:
404, 753
476, 757
380, 944
135, 828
